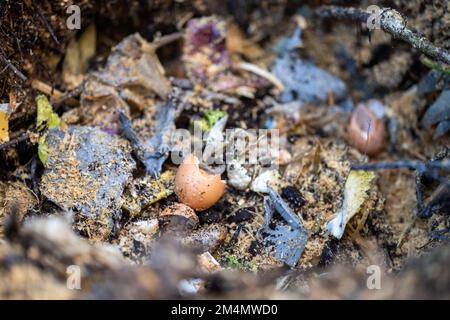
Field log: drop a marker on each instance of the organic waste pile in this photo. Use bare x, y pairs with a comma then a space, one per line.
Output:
203, 150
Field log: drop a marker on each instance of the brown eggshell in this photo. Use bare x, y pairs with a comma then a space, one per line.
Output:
196, 187
366, 132
178, 217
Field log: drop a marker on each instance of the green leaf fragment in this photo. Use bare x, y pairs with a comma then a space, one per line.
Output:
45, 114
45, 118
212, 116
43, 149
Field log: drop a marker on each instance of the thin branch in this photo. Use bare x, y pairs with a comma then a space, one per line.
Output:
47, 25
166, 39
8, 63
24, 136
391, 22
58, 97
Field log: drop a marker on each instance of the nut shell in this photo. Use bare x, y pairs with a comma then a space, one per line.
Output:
366, 131
196, 187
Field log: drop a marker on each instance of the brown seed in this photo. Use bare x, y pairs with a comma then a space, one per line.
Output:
196, 187
366, 131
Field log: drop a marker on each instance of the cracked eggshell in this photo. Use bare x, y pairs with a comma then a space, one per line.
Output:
238, 176
196, 187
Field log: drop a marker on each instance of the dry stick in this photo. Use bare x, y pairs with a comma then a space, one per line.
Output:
56, 95
47, 25
12, 67
47, 89
391, 22
262, 73
166, 39
24, 136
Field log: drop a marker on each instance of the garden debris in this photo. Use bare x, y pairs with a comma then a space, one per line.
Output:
426, 171
145, 191
45, 115
265, 180
293, 196
137, 238
366, 130
78, 54
5, 112
237, 43
154, 150
392, 22
46, 119
268, 232
206, 238
238, 176
214, 145
196, 187
304, 81
207, 264
287, 241
439, 200
87, 171
355, 194
208, 62
134, 63
14, 197
213, 116
178, 218
439, 113
283, 116
132, 73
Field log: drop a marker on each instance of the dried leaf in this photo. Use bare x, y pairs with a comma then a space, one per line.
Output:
78, 54
357, 185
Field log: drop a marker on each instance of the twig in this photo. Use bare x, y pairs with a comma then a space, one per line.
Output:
16, 71
47, 25
429, 168
435, 65
164, 40
47, 89
24, 136
69, 96
391, 22
56, 95
408, 164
